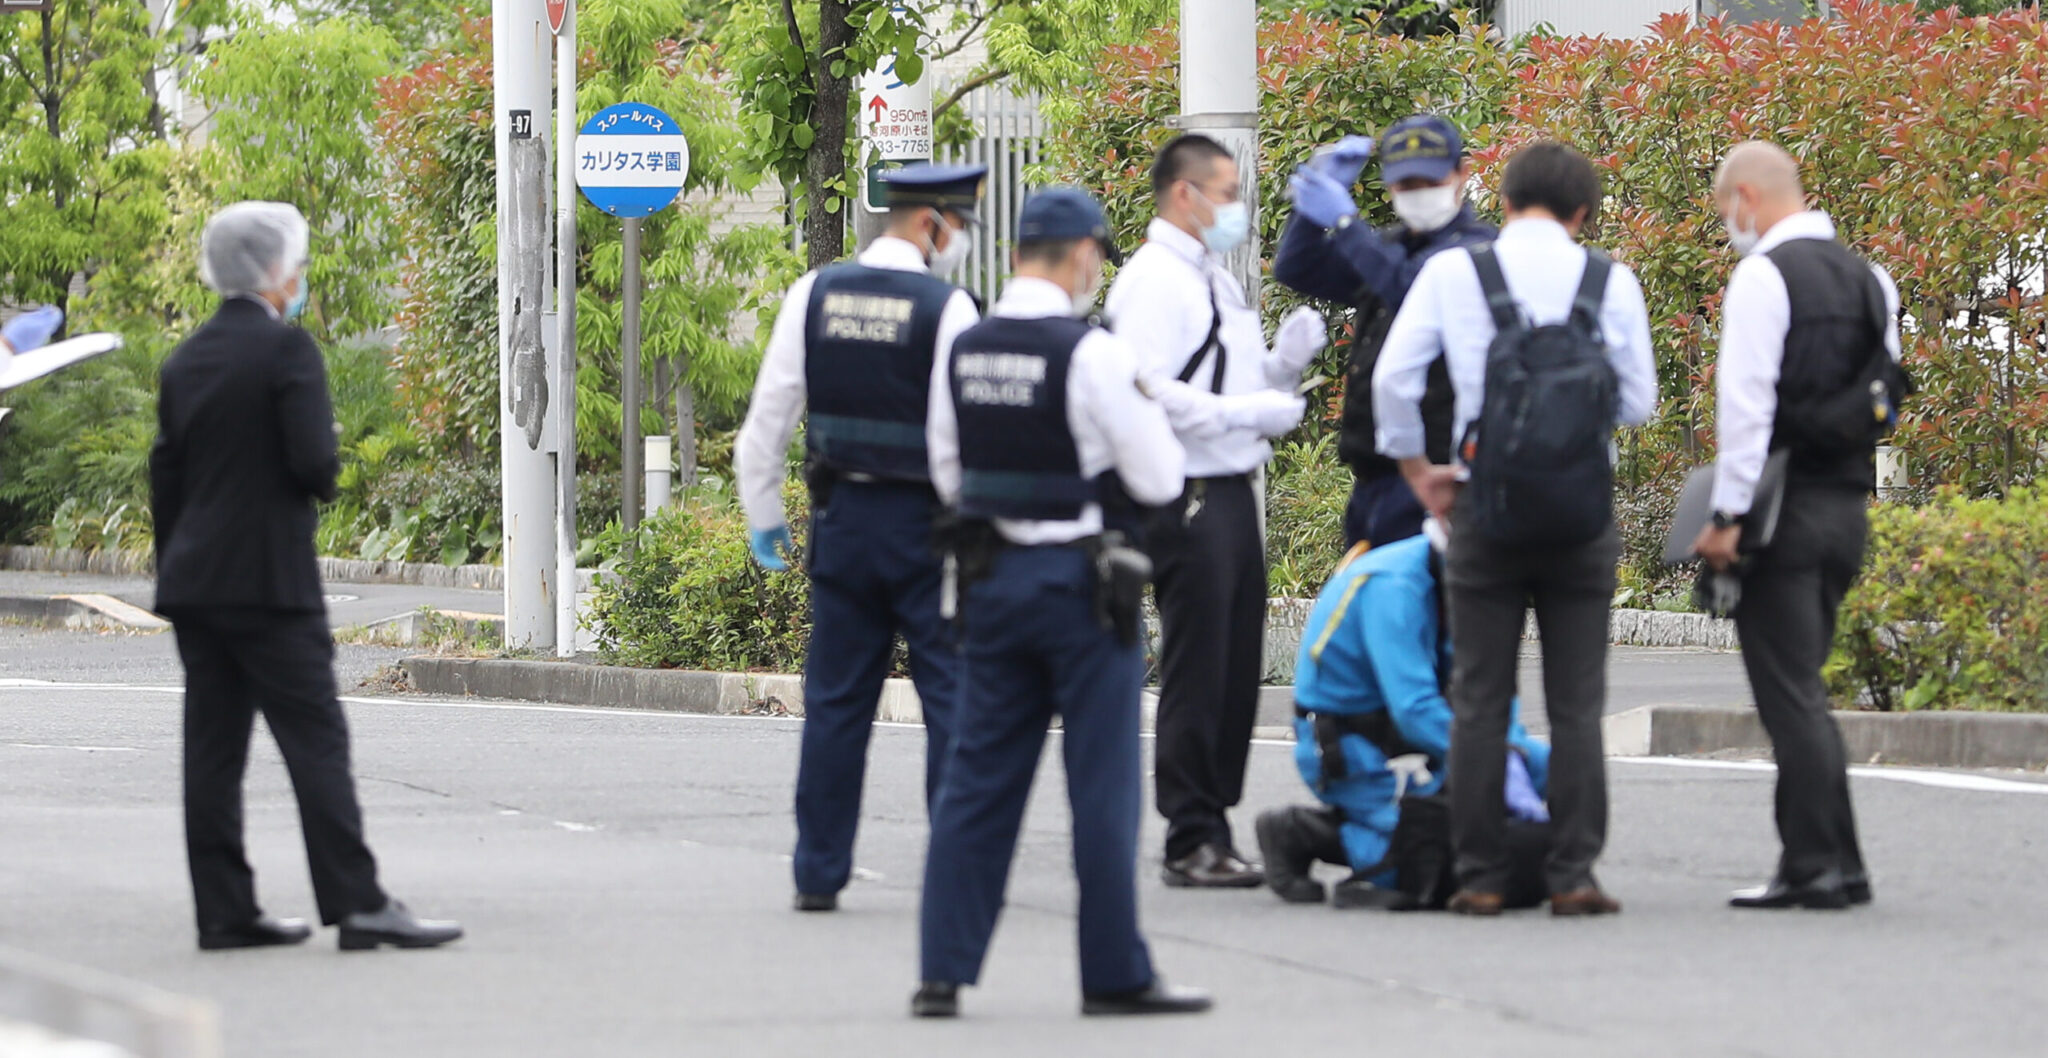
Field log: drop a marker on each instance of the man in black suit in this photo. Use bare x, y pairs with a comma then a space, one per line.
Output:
246, 443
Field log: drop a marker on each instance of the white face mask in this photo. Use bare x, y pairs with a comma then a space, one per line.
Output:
1742, 239
1427, 209
958, 245
1230, 226
1084, 299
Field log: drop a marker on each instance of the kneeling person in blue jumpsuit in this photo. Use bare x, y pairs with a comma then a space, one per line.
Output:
1368, 692
858, 341
1041, 418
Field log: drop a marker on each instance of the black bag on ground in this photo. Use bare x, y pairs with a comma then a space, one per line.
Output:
1542, 472
1425, 862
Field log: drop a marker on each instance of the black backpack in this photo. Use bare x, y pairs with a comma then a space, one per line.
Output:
1855, 417
1541, 470
1425, 862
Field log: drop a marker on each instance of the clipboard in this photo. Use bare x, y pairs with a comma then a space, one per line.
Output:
32, 365
1696, 510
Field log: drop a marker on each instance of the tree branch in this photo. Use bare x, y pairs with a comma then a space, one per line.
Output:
796, 37
960, 92
967, 34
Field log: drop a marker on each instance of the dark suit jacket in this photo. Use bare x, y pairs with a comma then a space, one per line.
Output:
245, 446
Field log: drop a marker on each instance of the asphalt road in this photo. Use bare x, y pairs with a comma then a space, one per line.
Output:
347, 604
625, 882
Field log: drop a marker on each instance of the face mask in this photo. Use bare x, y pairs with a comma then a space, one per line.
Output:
296, 307
947, 261
1742, 239
1427, 209
1227, 232
1084, 300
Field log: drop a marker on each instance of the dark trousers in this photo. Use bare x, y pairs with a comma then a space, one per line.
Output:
1491, 589
239, 662
1211, 575
874, 574
1035, 650
1383, 510
1786, 622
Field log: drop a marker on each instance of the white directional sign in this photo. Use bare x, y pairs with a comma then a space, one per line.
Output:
896, 118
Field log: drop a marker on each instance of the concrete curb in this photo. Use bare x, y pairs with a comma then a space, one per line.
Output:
332, 570
422, 627
96, 612
710, 693
1928, 739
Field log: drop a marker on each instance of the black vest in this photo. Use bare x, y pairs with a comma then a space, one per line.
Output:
1838, 324
868, 341
1017, 453
1357, 437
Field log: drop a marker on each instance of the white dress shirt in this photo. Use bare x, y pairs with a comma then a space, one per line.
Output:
760, 454
1446, 310
1756, 315
1114, 425
1160, 304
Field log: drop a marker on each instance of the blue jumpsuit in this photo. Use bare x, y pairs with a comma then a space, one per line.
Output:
1374, 642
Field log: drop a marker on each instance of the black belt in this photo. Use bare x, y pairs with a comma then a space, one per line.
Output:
1376, 727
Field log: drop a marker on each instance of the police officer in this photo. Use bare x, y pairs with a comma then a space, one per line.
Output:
1807, 328
1038, 409
857, 340
1372, 726
1202, 354
1326, 253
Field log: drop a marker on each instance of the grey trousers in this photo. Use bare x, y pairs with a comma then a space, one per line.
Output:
1786, 622
1492, 587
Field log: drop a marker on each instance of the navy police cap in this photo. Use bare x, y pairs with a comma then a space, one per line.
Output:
1423, 145
951, 188
1058, 213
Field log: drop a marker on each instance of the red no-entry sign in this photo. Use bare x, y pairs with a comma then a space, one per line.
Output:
558, 13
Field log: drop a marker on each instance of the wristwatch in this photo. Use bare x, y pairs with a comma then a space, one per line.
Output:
1724, 520
1343, 222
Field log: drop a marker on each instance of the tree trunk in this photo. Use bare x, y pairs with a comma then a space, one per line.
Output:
686, 425
825, 162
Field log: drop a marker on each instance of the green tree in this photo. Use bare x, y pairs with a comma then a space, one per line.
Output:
417, 25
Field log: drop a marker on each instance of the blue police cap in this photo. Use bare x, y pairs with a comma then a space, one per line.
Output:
1423, 146
1058, 213
952, 188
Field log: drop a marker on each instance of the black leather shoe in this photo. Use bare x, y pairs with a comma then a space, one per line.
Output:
396, 926
817, 901
1825, 892
1212, 867
1155, 998
1355, 892
264, 932
1857, 886
935, 999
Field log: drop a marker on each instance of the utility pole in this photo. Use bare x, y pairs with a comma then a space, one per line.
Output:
1219, 98
520, 46
566, 536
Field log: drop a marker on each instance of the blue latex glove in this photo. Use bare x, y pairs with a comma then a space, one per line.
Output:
1318, 199
770, 546
1343, 160
1523, 802
32, 329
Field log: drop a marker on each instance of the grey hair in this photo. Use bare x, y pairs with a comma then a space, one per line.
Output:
252, 248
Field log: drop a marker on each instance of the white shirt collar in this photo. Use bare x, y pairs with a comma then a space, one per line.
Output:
1812, 224
1533, 229
1168, 234
897, 255
1031, 298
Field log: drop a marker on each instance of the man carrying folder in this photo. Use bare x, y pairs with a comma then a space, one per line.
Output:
1808, 367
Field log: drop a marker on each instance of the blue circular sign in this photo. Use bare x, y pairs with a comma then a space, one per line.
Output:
631, 160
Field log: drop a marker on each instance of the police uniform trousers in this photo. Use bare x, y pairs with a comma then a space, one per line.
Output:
874, 574
1211, 577
1367, 796
1034, 651
244, 661
1382, 510
1786, 624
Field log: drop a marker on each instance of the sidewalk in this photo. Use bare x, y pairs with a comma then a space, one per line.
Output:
348, 605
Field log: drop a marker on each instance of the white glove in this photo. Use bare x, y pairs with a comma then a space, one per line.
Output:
1300, 337
1269, 411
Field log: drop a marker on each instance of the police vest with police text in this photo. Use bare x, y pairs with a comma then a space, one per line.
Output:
1017, 454
868, 346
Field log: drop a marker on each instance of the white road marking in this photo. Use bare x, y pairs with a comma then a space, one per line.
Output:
81, 749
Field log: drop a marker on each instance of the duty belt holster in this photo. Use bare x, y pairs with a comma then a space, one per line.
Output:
821, 479
1121, 573
1376, 727
969, 547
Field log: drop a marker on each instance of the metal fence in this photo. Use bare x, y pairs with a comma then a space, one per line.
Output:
1011, 132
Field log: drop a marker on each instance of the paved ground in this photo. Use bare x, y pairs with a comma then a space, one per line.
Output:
624, 879
347, 604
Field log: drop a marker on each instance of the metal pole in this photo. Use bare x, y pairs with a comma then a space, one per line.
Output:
1219, 98
520, 89
566, 538
629, 442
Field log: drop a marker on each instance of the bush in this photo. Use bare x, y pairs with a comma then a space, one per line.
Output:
1951, 612
1305, 500
690, 595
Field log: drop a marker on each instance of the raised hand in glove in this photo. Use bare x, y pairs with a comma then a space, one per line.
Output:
1343, 160
32, 329
770, 546
1318, 199
1268, 411
1301, 336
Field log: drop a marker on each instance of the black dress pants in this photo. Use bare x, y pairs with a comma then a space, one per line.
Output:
239, 662
1492, 588
1786, 623
1211, 575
